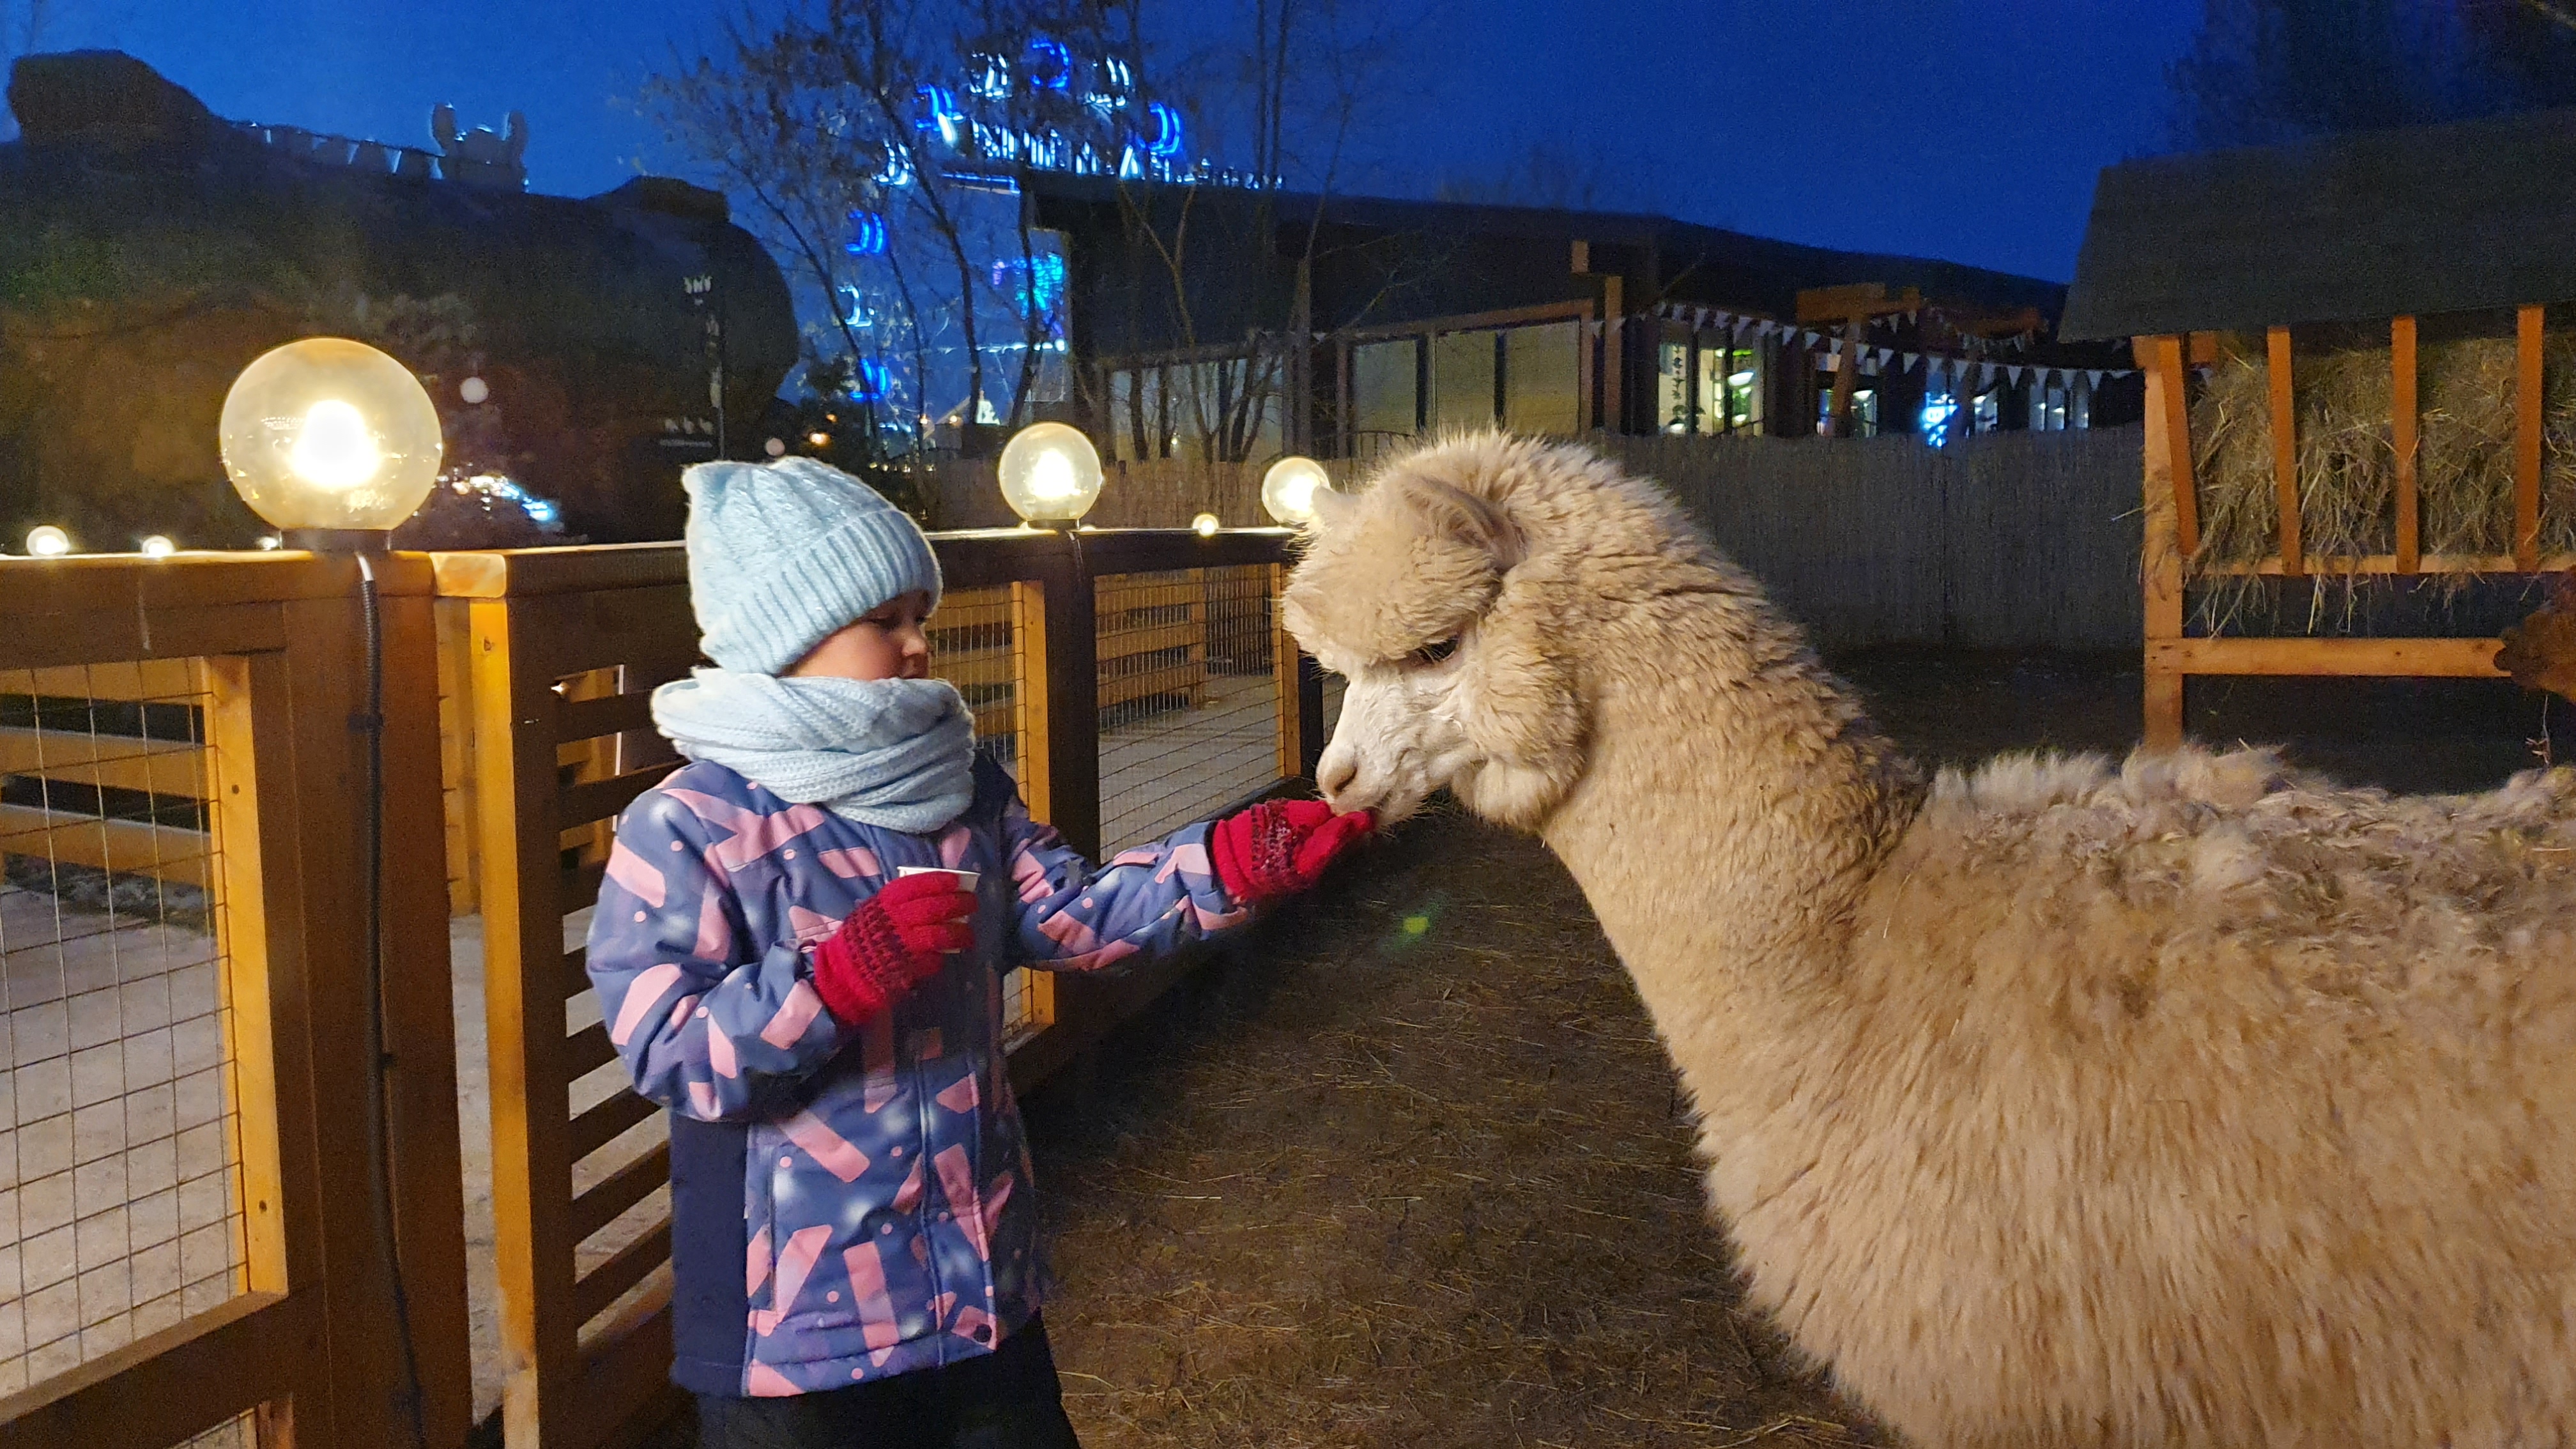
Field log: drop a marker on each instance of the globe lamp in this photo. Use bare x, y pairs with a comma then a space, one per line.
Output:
332, 441
47, 541
1050, 474
157, 546
1205, 525
1288, 490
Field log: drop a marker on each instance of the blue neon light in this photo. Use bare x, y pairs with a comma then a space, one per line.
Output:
867, 235
1164, 137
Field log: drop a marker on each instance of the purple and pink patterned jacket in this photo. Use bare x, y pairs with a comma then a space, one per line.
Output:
849, 1201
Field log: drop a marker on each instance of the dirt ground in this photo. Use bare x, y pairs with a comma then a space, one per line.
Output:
1409, 1169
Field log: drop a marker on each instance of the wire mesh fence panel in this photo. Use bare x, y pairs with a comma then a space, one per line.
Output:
976, 645
1189, 683
120, 1139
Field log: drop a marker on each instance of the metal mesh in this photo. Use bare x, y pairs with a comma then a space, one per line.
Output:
120, 1145
975, 646
1189, 696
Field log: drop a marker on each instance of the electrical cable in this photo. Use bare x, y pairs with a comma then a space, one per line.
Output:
380, 1061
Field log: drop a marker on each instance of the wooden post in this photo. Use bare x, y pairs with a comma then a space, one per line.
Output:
2402, 424
1072, 674
2526, 440
1029, 696
2169, 413
2285, 450
1283, 673
1846, 377
2167, 501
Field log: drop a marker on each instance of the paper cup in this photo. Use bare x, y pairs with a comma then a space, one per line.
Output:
966, 879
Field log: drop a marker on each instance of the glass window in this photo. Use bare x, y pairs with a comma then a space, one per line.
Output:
1673, 387
1989, 410
2048, 407
1462, 380
1865, 412
1733, 374
1122, 417
2080, 409
1940, 411
1384, 387
1542, 390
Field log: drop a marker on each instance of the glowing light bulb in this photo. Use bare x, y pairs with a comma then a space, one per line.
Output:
268, 541
1205, 525
158, 546
819, 440
330, 434
334, 450
1050, 473
775, 447
47, 541
473, 390
1051, 477
1288, 489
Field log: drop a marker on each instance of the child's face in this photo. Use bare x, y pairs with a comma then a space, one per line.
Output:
886, 643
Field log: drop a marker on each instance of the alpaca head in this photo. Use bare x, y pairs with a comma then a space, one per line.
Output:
1430, 596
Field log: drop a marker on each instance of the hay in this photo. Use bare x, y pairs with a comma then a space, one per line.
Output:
2347, 461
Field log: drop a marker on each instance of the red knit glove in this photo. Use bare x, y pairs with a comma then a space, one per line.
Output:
891, 944
1280, 847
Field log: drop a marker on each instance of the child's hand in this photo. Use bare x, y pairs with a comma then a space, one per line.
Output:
1280, 847
891, 944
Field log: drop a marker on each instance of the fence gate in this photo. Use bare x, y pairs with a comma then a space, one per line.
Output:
192, 1248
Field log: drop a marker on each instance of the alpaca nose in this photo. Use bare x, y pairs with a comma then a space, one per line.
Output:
1334, 773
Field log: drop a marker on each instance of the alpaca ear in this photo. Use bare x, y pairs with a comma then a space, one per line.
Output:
1332, 508
1456, 514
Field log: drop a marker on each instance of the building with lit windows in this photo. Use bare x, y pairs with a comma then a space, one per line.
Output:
1338, 326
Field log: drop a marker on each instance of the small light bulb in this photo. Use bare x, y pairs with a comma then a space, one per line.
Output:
774, 448
268, 540
819, 440
1051, 476
335, 450
1205, 525
159, 546
47, 541
473, 390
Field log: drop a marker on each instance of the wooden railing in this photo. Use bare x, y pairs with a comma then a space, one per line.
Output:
551, 656
232, 1279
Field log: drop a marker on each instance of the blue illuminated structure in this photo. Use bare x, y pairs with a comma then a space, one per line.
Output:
1164, 137
867, 235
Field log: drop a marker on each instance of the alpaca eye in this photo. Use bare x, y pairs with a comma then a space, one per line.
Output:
1430, 654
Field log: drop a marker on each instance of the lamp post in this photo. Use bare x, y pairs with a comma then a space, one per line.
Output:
335, 443
1288, 490
332, 441
1050, 475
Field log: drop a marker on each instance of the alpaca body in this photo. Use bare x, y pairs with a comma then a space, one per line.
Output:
2189, 1102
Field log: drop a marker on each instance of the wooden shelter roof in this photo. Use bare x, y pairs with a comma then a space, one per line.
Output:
2452, 218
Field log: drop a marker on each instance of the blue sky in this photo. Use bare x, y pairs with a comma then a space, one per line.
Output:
1937, 127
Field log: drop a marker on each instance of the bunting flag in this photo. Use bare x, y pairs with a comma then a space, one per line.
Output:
2014, 372
2095, 374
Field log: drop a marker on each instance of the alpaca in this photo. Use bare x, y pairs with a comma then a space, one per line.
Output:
2185, 1101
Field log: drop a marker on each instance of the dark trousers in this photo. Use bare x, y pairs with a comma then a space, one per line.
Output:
1006, 1399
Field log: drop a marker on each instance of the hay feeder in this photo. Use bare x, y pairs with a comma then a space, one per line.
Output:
2351, 375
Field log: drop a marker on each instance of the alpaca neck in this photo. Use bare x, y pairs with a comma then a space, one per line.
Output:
1735, 807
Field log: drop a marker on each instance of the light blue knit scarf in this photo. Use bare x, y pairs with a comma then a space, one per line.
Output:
892, 752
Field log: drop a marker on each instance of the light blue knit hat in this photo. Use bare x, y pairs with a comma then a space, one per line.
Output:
784, 554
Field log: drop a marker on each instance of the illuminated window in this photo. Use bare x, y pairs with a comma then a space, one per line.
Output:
1385, 395
2049, 407
1989, 410
1462, 380
1673, 388
1733, 375
1542, 378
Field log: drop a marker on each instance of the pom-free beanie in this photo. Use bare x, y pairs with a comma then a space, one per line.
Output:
784, 554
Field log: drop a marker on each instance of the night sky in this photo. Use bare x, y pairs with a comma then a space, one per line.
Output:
1945, 128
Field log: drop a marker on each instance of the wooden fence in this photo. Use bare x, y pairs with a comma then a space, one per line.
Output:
188, 739
191, 734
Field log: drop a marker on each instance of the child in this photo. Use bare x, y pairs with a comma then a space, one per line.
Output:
854, 1244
